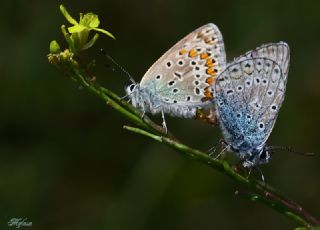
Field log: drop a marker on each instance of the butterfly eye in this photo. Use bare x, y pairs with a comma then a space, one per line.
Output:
131, 87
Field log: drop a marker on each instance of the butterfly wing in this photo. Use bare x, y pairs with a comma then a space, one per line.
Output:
248, 96
185, 72
278, 52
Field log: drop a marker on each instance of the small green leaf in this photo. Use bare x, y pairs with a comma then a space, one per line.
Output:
67, 15
91, 42
54, 47
104, 31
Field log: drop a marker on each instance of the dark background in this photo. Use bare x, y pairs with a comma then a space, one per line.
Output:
65, 161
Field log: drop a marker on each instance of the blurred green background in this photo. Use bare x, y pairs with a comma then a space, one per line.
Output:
65, 161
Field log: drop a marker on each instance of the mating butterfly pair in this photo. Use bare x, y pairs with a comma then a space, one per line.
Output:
246, 94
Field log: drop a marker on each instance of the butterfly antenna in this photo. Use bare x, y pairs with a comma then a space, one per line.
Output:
117, 65
290, 150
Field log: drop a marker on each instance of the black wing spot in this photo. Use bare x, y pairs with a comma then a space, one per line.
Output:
169, 64
158, 76
193, 63
197, 91
196, 82
188, 98
177, 74
198, 75
171, 83
230, 91
261, 126
175, 90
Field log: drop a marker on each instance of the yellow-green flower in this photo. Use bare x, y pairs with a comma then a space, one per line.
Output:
78, 34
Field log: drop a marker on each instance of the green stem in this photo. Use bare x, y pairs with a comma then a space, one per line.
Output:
279, 207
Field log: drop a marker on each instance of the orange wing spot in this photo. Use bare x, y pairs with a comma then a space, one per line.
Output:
209, 62
210, 80
207, 94
182, 52
193, 53
210, 71
208, 40
204, 99
204, 55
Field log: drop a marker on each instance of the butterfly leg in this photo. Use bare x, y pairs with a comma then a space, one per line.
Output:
213, 149
143, 113
124, 97
257, 169
164, 125
262, 176
224, 147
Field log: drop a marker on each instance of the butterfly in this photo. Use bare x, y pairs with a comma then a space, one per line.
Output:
179, 83
248, 95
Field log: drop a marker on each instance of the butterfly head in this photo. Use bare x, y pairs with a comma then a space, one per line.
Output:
258, 156
131, 88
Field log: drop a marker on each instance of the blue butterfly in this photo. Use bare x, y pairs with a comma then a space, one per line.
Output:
248, 95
